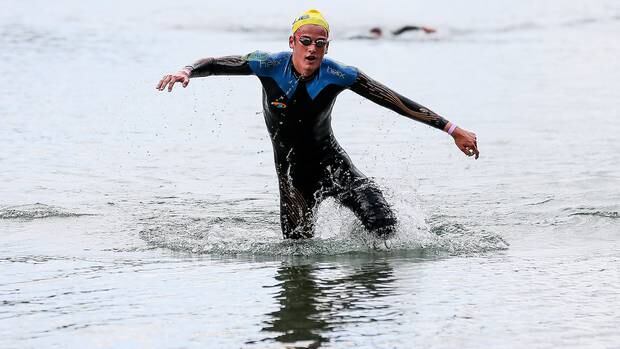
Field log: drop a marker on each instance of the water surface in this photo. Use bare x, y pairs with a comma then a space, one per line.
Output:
131, 218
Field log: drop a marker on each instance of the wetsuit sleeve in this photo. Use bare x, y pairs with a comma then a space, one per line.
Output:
229, 65
380, 94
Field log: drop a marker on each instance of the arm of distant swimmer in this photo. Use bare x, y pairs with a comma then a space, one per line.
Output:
384, 96
407, 28
229, 65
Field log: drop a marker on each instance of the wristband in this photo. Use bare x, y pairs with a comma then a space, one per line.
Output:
451, 129
187, 70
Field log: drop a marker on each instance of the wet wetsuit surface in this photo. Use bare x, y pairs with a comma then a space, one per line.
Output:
310, 163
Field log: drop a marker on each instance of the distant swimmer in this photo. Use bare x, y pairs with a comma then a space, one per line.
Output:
377, 33
299, 91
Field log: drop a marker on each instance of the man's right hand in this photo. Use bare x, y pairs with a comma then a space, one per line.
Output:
169, 80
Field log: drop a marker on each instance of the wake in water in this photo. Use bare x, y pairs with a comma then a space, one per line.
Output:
592, 211
36, 211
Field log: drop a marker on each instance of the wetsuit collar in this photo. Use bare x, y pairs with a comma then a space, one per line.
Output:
301, 78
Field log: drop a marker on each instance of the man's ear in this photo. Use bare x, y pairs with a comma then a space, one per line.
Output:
291, 40
326, 48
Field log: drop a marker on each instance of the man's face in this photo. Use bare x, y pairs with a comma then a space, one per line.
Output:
307, 59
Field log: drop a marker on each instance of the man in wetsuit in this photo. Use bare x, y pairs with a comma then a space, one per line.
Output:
299, 92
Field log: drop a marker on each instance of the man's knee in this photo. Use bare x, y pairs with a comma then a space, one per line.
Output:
380, 219
369, 205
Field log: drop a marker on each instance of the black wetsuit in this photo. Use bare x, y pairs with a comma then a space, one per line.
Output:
310, 163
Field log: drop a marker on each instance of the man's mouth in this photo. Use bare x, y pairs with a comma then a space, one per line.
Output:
311, 58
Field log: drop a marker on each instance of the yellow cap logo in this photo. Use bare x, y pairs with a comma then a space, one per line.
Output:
310, 17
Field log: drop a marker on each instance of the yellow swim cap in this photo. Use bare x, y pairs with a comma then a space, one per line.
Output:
310, 17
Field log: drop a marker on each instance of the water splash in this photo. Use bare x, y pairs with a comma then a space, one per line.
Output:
338, 231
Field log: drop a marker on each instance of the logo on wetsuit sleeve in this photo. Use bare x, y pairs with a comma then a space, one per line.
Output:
268, 63
335, 72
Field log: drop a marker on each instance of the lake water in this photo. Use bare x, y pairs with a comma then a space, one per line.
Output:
136, 219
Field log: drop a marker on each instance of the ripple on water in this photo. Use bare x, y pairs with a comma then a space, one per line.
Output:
36, 211
596, 213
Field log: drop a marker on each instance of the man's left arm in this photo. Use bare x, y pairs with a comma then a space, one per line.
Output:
373, 90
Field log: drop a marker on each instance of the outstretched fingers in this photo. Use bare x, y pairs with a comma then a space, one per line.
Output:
468, 144
162, 82
167, 79
476, 153
171, 83
475, 146
471, 149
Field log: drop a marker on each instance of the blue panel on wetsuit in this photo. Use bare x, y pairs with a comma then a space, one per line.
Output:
278, 66
331, 73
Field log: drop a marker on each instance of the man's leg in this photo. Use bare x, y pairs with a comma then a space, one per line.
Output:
365, 199
362, 196
296, 212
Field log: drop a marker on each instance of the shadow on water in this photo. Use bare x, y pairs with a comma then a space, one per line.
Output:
315, 299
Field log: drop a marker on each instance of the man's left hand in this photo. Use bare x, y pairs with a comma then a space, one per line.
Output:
466, 141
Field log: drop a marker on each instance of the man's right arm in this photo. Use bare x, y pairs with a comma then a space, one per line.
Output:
229, 65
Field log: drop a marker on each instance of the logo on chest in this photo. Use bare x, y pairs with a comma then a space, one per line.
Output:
278, 105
